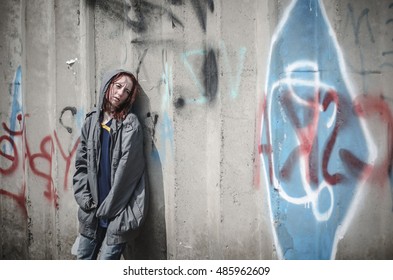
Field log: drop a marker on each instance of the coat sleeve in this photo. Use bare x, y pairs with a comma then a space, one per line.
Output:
81, 187
129, 171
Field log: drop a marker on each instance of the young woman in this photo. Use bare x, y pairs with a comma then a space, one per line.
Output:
109, 181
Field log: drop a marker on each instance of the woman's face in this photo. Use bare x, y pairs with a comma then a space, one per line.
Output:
120, 90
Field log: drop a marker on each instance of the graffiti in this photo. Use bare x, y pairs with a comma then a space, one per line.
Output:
208, 85
362, 20
39, 163
145, 12
73, 111
257, 159
140, 15
16, 103
140, 63
18, 156
203, 69
17, 100
316, 152
356, 23
233, 80
389, 53
67, 158
367, 107
364, 38
210, 75
202, 65
166, 129
201, 7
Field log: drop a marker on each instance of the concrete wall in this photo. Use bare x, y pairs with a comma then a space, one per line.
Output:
268, 124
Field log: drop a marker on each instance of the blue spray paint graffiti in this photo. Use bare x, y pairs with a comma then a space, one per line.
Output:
234, 80
166, 129
17, 106
201, 87
16, 114
313, 146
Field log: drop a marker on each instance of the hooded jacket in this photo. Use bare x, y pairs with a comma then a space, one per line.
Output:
125, 206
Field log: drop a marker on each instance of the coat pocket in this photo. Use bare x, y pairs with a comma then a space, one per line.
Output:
86, 217
132, 216
125, 221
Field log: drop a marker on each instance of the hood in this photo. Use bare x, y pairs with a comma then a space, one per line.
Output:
106, 78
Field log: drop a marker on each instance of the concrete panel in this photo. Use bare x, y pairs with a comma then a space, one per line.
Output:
14, 240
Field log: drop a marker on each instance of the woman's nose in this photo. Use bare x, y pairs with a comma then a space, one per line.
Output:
121, 91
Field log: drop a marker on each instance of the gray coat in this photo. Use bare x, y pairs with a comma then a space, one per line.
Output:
126, 204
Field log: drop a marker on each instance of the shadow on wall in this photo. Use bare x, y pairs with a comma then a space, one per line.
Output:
151, 241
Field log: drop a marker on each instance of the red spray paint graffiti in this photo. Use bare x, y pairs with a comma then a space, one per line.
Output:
367, 106
364, 106
39, 163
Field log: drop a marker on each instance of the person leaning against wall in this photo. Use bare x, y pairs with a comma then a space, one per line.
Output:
109, 181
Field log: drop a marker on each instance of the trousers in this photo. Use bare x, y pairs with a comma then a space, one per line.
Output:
92, 249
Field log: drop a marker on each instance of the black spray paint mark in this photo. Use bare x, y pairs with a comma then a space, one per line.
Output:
73, 111
179, 103
144, 12
210, 75
201, 7
357, 22
140, 62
